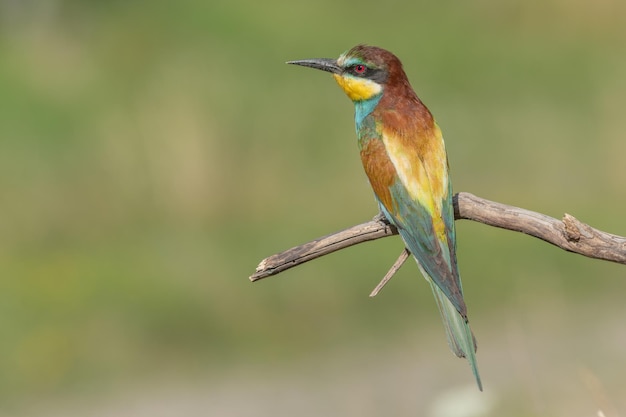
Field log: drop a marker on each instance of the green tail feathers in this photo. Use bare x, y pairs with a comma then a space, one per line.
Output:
460, 337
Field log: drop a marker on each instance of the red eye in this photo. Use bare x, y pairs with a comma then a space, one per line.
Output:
360, 69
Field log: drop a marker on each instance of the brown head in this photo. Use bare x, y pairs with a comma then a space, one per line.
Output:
364, 72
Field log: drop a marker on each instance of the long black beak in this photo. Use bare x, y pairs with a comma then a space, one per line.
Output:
324, 64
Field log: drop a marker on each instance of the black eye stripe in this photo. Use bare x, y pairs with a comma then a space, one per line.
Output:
363, 71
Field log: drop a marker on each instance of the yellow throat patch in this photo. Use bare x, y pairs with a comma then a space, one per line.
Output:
358, 89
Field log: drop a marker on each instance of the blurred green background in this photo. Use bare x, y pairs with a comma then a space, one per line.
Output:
152, 153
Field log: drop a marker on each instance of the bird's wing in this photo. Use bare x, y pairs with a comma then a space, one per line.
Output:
421, 208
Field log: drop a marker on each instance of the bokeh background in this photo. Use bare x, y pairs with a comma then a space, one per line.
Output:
152, 153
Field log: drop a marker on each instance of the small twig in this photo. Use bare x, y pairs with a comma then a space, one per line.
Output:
394, 268
569, 234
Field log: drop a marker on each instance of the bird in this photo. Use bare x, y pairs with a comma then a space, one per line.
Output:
404, 157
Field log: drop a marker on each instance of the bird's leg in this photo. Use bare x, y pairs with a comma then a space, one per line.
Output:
394, 268
380, 217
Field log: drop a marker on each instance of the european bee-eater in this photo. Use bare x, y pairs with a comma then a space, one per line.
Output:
405, 160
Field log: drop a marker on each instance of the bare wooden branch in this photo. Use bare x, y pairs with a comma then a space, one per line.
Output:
354, 235
569, 234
